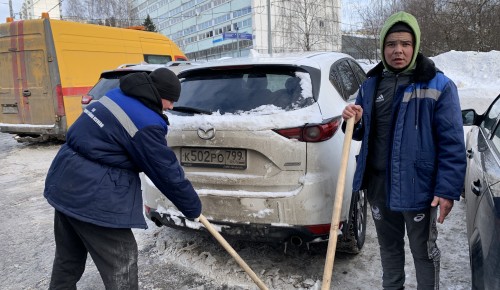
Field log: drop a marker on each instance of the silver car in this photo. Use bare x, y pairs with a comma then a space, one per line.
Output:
111, 79
260, 138
482, 195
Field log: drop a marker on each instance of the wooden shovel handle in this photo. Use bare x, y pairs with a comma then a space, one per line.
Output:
337, 207
232, 252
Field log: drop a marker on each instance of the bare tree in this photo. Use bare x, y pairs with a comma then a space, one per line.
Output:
361, 46
457, 24
365, 43
465, 25
304, 25
483, 24
103, 12
430, 15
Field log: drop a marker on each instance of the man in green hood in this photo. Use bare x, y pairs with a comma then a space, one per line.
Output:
412, 158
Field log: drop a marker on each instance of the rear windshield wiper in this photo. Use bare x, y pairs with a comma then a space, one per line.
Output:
191, 110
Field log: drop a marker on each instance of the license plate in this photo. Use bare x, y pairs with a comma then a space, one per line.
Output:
215, 158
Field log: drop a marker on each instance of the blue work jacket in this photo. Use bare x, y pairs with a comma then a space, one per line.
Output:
95, 175
427, 156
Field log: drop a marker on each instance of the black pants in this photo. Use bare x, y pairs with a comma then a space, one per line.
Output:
422, 235
114, 252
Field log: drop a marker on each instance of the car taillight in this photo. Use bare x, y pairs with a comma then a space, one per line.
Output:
86, 99
312, 132
321, 229
147, 209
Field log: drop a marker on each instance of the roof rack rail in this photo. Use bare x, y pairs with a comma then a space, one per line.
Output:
182, 62
125, 65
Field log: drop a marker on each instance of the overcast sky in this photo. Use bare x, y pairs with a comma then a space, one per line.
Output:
349, 19
350, 13
4, 9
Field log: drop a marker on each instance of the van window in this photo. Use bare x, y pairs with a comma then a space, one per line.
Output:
103, 86
157, 59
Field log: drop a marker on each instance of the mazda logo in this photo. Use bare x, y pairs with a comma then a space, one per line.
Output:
206, 134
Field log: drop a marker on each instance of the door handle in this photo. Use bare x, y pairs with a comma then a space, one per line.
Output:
469, 153
476, 187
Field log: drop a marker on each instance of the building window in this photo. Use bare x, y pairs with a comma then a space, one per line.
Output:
241, 12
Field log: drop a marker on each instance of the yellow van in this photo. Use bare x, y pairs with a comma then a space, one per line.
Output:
47, 65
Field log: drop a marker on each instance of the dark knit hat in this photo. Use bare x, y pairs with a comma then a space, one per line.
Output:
400, 27
166, 83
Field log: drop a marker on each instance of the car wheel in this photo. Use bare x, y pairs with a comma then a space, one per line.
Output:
476, 265
353, 237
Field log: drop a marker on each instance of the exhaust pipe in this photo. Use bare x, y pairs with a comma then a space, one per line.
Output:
296, 241
157, 222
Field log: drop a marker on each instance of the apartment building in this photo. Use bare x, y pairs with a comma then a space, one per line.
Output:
208, 29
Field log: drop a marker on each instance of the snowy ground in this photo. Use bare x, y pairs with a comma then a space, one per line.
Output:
173, 259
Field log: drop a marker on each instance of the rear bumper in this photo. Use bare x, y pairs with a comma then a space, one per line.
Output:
297, 235
28, 129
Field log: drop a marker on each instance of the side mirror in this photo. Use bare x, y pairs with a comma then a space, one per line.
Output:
468, 117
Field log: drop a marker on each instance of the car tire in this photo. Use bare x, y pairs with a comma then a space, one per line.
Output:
476, 265
353, 237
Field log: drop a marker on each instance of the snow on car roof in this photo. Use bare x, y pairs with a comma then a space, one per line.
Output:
313, 59
309, 58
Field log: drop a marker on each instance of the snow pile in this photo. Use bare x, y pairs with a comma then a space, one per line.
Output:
469, 69
476, 74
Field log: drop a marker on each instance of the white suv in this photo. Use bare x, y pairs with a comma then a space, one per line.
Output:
260, 140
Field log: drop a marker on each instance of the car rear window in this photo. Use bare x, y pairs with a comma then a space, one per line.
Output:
242, 89
102, 87
108, 81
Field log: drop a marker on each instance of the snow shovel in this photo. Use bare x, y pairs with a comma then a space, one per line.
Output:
337, 207
232, 252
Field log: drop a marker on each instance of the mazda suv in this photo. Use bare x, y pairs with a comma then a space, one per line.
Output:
260, 139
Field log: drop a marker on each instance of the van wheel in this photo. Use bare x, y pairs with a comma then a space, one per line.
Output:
353, 237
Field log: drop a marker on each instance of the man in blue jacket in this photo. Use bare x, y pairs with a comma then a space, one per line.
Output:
412, 158
94, 186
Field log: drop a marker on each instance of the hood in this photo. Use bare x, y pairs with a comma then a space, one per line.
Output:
411, 21
140, 86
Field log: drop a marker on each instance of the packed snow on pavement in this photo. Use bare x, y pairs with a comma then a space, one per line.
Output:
175, 259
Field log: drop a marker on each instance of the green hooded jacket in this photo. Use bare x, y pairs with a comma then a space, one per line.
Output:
411, 21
